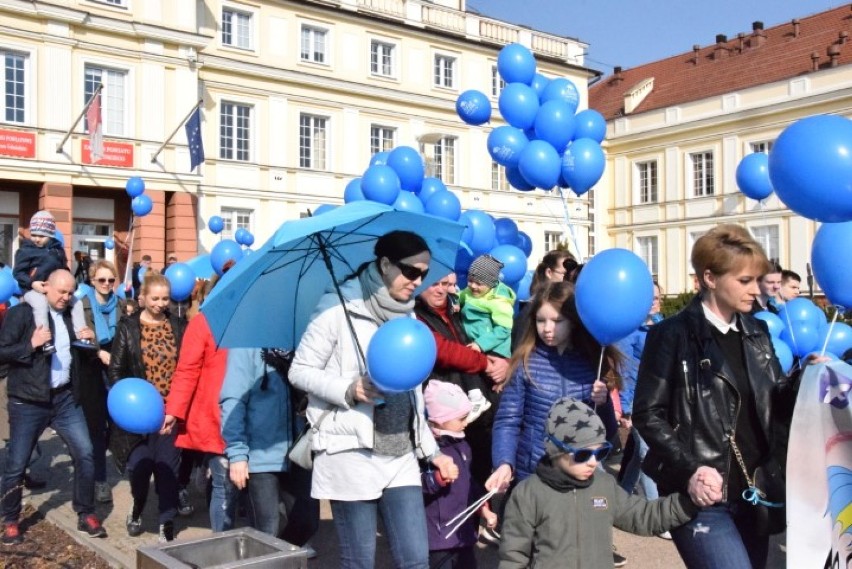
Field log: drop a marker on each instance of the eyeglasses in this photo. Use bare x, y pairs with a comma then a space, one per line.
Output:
410, 272
583, 454
104, 281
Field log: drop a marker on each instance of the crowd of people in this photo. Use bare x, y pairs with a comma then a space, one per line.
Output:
503, 443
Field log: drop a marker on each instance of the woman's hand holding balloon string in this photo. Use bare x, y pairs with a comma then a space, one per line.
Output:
499, 479
364, 391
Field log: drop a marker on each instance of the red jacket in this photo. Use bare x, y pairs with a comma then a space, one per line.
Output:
194, 395
451, 341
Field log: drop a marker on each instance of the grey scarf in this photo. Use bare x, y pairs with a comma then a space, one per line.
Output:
381, 305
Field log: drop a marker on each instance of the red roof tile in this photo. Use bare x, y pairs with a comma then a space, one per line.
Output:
739, 63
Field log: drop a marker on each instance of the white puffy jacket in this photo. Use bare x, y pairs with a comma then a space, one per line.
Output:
327, 363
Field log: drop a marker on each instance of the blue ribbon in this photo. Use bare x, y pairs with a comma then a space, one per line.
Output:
754, 496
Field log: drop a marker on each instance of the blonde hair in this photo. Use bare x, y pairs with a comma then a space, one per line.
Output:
726, 248
154, 279
102, 264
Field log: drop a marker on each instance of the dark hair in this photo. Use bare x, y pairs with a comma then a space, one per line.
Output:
790, 276
398, 245
551, 260
146, 258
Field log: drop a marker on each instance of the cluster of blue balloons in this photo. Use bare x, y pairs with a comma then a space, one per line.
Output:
227, 249
498, 237
136, 406
401, 354
547, 142
8, 285
140, 203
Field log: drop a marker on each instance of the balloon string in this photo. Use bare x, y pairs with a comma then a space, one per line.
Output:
128, 268
598, 377
792, 333
570, 225
830, 327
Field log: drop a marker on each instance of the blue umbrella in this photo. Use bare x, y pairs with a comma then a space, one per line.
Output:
267, 299
201, 266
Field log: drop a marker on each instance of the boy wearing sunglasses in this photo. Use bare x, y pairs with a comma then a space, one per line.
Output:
562, 516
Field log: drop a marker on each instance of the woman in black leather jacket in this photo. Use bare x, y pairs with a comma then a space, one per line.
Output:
712, 403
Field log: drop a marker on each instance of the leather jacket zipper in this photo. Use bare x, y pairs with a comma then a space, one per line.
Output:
686, 385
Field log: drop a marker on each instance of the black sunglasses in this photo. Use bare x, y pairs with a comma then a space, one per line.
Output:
104, 281
583, 454
410, 272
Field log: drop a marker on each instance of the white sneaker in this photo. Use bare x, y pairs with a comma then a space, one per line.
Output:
665, 535
480, 404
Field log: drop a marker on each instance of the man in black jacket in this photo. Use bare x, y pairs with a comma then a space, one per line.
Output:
42, 390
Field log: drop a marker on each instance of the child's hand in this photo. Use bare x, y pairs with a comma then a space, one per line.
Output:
38, 286
41, 335
488, 515
474, 346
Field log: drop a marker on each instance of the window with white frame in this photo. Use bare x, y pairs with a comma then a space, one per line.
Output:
701, 174
763, 146
552, 239
235, 131
113, 98
445, 71
649, 253
234, 219
443, 164
497, 82
381, 138
314, 44
313, 141
15, 86
498, 177
767, 236
237, 28
646, 173
382, 58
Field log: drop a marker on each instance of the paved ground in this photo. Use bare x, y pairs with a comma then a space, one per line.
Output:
120, 550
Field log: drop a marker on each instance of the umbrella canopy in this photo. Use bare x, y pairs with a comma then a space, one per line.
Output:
267, 299
201, 267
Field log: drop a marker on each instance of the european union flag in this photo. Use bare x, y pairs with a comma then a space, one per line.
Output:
193, 136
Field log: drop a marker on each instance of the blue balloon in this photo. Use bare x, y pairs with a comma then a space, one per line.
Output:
773, 322
380, 184
505, 144
517, 180
783, 353
473, 107
215, 224
539, 84
479, 230
516, 64
753, 176
430, 187
407, 201
82, 290
540, 164
464, 258
244, 237
320, 209
224, 251
523, 287
561, 89
135, 186
401, 354
802, 337
409, 166
506, 231
514, 262
353, 192
109, 244
614, 293
141, 205
801, 310
831, 255
583, 164
379, 158
518, 104
590, 124
444, 204
59, 236
181, 281
837, 338
8, 285
524, 243
810, 166
136, 406
554, 123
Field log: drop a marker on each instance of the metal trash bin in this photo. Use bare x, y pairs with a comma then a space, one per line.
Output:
245, 548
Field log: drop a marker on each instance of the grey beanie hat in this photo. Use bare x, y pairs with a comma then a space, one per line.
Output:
485, 269
572, 422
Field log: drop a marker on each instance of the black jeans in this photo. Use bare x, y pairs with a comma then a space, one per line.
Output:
159, 456
298, 512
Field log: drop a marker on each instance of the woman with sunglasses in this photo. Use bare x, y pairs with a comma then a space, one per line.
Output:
368, 443
714, 407
103, 309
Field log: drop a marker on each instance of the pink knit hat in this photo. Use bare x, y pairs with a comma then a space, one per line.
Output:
445, 401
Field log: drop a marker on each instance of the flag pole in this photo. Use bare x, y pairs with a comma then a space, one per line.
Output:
80, 116
174, 132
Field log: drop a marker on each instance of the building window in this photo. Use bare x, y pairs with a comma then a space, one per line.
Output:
313, 141
382, 58
235, 219
314, 44
552, 240
498, 177
235, 132
236, 28
381, 139
764, 146
497, 82
444, 160
445, 71
112, 97
767, 236
14, 86
647, 173
703, 181
649, 253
